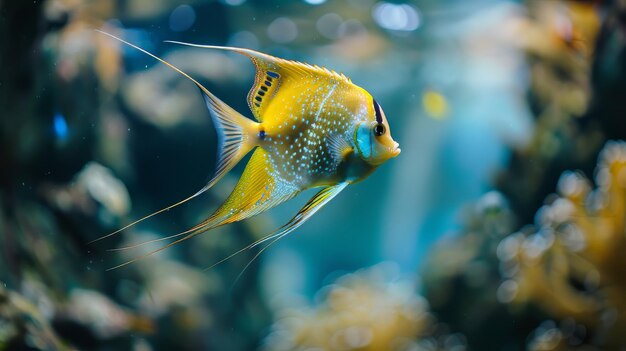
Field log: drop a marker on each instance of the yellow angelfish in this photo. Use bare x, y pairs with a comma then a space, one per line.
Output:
313, 128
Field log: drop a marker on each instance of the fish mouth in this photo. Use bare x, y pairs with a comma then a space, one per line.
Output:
396, 150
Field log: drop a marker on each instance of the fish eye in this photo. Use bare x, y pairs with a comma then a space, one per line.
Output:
379, 129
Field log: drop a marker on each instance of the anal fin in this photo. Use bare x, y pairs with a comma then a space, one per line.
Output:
259, 189
310, 208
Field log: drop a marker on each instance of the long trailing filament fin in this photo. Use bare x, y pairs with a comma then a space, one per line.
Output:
205, 188
143, 243
204, 90
255, 257
310, 208
198, 229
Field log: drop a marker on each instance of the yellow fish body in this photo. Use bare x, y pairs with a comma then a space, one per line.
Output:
313, 128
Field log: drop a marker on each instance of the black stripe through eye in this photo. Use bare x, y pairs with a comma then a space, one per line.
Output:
379, 117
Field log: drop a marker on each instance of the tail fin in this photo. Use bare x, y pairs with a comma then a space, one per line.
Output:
235, 135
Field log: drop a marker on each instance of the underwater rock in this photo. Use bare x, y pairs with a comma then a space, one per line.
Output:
65, 180
93, 187
100, 183
33, 318
160, 96
94, 198
105, 318
22, 325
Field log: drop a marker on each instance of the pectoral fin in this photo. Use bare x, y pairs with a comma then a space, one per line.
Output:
338, 147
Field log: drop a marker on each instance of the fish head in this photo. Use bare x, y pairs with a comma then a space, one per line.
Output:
373, 139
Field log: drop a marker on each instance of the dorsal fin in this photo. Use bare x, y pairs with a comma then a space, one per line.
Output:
271, 72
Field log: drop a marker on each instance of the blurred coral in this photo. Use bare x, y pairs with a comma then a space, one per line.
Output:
104, 317
558, 38
370, 309
573, 264
93, 187
558, 285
